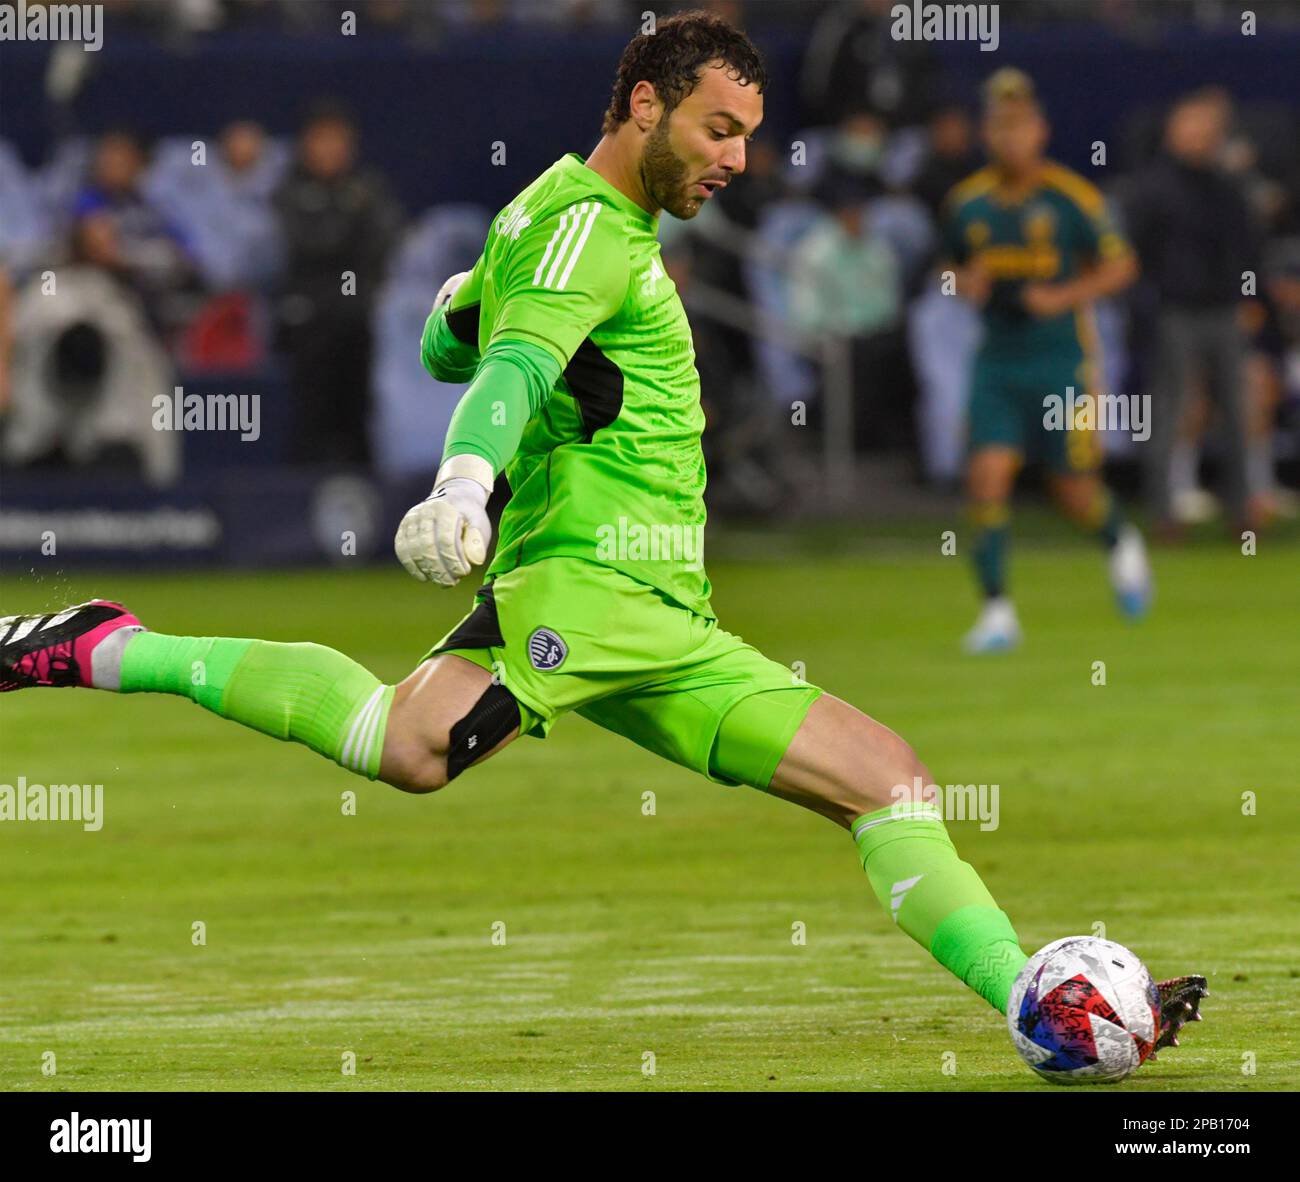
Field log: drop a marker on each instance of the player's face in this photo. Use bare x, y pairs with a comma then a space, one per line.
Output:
689, 155
1016, 135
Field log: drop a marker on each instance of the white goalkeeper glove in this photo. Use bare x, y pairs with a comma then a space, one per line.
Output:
448, 289
446, 534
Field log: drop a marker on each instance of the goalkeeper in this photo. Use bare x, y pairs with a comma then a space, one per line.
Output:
584, 392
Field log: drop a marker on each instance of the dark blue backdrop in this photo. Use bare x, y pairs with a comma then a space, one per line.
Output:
429, 115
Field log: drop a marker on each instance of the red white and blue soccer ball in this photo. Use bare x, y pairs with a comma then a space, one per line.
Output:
1084, 1010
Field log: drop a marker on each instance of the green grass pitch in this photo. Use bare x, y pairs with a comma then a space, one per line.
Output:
629, 936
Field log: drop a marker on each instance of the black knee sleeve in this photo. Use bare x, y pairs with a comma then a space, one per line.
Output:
489, 721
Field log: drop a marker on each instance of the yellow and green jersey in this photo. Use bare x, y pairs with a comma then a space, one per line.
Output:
609, 466
1047, 235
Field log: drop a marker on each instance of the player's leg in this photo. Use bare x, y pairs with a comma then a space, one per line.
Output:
1190, 503
446, 716
1075, 460
990, 477
856, 771
1226, 384
737, 717
1175, 364
303, 693
995, 449
864, 777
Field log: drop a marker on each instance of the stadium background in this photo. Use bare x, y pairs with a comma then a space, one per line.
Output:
824, 546
456, 106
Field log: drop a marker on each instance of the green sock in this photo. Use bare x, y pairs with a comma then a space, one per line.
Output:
992, 536
301, 692
938, 899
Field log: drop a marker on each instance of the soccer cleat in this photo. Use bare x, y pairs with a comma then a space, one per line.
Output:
996, 630
60, 649
1180, 1002
1130, 574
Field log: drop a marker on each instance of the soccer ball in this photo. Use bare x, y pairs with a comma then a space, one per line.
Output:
1084, 1010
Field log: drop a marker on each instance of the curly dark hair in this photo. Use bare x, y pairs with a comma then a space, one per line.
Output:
672, 57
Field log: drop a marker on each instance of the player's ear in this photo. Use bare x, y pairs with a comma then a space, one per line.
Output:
645, 105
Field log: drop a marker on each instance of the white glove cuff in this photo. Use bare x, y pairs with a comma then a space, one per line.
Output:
466, 466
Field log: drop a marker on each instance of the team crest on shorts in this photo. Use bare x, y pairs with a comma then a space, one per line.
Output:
546, 651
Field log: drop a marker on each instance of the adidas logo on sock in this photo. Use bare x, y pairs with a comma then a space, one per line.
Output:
898, 892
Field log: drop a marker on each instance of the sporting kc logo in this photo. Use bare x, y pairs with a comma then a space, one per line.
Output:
546, 650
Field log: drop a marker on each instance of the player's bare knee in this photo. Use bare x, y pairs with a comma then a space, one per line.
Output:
915, 775
415, 745
902, 776
445, 718
412, 767
897, 775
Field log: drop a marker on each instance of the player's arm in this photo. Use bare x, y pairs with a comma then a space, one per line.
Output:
1111, 268
447, 354
515, 378
1105, 278
561, 279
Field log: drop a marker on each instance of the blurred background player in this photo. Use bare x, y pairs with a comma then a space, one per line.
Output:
1034, 248
1201, 215
1194, 232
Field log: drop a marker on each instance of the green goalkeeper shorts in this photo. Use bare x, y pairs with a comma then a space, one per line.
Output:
567, 634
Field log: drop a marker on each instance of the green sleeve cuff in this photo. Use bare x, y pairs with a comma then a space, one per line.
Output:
514, 381
443, 354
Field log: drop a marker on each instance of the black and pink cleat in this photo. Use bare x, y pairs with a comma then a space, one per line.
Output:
1180, 1003
59, 649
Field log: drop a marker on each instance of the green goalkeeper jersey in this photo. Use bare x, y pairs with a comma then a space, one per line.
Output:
609, 468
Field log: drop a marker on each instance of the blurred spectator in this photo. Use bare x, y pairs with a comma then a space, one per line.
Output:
338, 224
1194, 235
952, 155
788, 376
25, 227
857, 147
123, 231
845, 277
847, 281
853, 62
943, 337
222, 202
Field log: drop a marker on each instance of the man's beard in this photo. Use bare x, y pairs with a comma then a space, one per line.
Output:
664, 174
